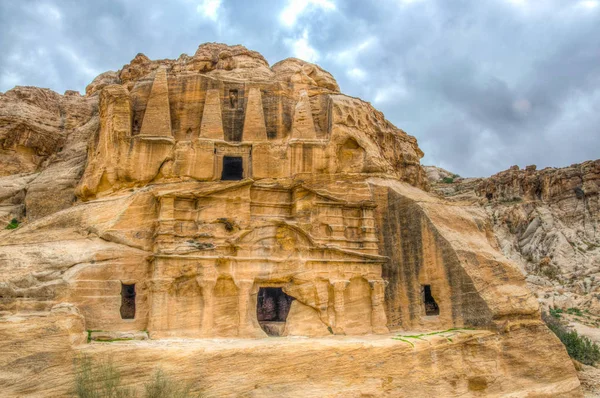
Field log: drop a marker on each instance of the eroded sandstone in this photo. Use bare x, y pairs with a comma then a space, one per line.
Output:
547, 222
218, 197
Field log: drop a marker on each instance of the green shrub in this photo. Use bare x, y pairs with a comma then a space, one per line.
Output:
555, 312
574, 311
162, 386
447, 180
579, 347
14, 224
100, 381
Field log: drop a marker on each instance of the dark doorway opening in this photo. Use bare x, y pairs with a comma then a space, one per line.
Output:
127, 301
233, 168
431, 307
272, 309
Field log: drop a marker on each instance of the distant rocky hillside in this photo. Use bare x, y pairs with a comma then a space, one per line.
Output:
548, 222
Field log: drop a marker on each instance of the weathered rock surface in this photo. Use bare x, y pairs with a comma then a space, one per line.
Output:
453, 364
223, 200
548, 222
43, 139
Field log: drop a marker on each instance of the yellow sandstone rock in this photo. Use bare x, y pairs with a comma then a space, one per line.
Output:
224, 202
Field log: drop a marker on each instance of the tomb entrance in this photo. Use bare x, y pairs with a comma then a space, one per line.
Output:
431, 307
127, 301
272, 308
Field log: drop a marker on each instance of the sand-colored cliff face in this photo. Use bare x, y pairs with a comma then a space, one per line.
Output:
547, 222
43, 139
164, 122
218, 197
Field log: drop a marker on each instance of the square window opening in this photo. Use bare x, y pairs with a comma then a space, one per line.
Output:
233, 168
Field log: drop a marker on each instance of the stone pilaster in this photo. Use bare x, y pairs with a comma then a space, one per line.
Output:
378, 318
167, 208
159, 305
339, 287
322, 287
244, 288
208, 294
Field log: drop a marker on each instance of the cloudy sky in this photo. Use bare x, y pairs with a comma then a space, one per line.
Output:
482, 84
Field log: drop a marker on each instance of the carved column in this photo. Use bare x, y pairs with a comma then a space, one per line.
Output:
322, 287
244, 326
378, 318
159, 305
339, 288
208, 294
167, 208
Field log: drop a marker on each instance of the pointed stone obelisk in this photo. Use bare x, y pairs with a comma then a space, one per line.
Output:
303, 126
212, 120
255, 128
157, 117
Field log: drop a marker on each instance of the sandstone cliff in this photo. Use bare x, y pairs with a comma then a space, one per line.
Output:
546, 221
209, 202
43, 139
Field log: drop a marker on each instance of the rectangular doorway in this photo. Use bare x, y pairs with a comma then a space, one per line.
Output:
127, 301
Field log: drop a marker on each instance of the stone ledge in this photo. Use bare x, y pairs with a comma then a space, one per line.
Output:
468, 364
103, 336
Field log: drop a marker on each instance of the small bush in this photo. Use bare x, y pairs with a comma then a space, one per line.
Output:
555, 312
579, 347
13, 224
162, 386
447, 180
574, 311
100, 381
